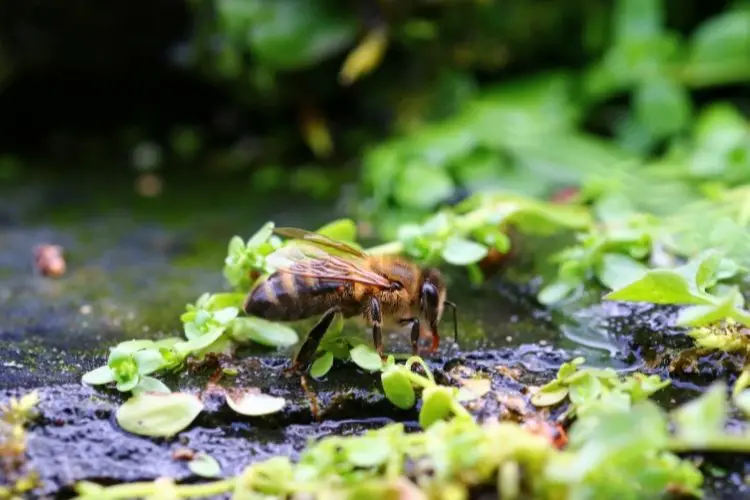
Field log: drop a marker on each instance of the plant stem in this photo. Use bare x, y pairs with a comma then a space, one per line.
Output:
143, 489
458, 409
418, 379
698, 75
722, 443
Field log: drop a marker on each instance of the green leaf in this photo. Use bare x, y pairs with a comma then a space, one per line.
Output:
158, 415
263, 332
341, 229
204, 465
321, 365
596, 439
148, 361
462, 252
200, 342
585, 389
742, 382
570, 368
261, 236
555, 292
722, 40
618, 270
660, 286
742, 401
367, 451
98, 376
366, 358
129, 347
291, 34
224, 316
437, 404
704, 417
236, 246
219, 301
151, 384
549, 396
662, 106
701, 271
252, 402
398, 388
128, 384
421, 186
637, 20
707, 314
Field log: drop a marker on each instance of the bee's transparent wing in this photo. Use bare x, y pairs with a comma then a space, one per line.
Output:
310, 261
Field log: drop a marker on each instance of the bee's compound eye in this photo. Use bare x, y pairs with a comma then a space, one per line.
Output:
396, 285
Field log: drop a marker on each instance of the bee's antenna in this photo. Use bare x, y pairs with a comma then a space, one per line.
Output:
455, 319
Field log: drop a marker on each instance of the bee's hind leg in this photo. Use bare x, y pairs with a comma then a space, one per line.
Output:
307, 351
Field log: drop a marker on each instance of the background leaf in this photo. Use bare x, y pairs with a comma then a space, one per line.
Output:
662, 106
462, 252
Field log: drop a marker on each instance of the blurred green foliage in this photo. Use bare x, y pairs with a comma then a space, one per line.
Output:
414, 62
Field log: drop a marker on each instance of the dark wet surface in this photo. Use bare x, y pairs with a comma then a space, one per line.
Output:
134, 263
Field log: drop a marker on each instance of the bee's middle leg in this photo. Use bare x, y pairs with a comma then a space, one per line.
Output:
307, 351
376, 316
414, 322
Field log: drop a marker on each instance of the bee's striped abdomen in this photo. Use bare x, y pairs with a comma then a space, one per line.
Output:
288, 297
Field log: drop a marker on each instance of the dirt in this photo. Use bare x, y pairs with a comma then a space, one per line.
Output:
132, 264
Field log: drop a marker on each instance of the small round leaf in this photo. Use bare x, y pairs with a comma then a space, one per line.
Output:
367, 451
549, 397
204, 465
253, 403
436, 405
148, 361
158, 415
398, 388
151, 384
366, 358
462, 252
322, 365
341, 229
98, 376
261, 236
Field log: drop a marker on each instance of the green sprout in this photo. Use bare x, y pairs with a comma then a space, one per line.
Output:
592, 390
131, 363
696, 285
620, 452
244, 258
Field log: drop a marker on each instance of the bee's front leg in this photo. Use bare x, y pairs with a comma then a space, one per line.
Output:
376, 316
307, 351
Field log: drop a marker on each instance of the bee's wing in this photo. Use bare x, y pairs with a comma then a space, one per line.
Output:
318, 239
315, 263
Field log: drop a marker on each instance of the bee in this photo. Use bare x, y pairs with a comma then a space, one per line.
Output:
316, 275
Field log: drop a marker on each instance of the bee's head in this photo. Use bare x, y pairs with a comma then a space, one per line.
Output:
432, 293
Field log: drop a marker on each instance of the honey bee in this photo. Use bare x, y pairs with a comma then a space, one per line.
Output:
316, 275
